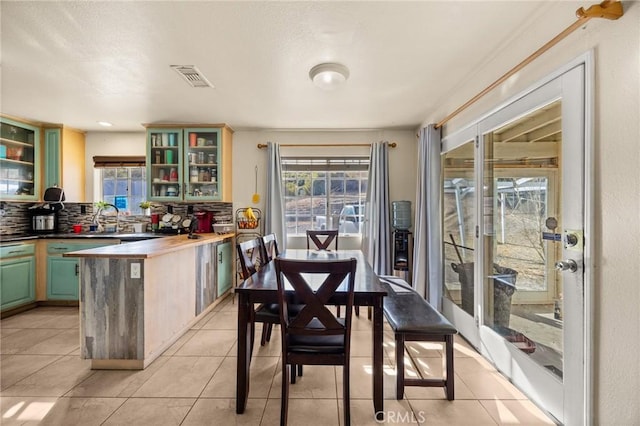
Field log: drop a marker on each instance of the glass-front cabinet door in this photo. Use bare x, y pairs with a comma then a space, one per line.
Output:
19, 153
185, 164
202, 156
164, 170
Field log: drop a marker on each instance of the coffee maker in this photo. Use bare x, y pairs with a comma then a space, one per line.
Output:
44, 217
205, 219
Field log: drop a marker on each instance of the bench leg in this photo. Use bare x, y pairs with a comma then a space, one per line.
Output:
448, 384
399, 365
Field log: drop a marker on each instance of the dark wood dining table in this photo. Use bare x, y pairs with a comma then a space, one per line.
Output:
261, 287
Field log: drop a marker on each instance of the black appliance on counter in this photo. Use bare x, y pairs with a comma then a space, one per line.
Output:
44, 217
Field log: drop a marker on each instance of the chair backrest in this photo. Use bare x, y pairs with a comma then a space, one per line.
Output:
270, 246
322, 239
315, 319
251, 256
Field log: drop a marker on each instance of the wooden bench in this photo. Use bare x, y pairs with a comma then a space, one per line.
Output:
413, 319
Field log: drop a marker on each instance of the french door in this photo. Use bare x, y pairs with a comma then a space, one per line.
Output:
515, 203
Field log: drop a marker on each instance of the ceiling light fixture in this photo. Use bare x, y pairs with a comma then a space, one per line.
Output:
105, 123
328, 76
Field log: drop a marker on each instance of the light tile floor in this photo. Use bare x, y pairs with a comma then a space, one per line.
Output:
44, 381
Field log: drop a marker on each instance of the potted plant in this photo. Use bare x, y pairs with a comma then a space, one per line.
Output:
146, 207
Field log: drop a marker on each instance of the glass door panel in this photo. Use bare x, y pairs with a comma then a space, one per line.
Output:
533, 175
521, 289
202, 159
18, 154
165, 177
459, 226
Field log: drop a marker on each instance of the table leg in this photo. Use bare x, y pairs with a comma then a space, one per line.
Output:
378, 366
244, 352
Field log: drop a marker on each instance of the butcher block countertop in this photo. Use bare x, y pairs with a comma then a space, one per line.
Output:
149, 248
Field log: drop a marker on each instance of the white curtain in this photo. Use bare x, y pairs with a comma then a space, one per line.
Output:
427, 249
274, 215
376, 241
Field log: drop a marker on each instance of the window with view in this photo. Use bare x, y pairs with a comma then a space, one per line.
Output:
124, 187
325, 193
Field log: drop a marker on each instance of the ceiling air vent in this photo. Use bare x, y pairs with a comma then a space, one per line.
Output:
192, 75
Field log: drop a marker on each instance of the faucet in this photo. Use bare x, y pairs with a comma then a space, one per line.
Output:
96, 216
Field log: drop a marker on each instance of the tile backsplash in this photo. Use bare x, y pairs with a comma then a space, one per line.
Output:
16, 217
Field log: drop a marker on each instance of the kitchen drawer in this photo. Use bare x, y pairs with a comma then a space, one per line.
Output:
16, 250
60, 248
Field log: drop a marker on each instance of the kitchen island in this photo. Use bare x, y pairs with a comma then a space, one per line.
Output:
137, 299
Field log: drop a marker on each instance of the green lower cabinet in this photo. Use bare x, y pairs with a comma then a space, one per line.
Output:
63, 282
225, 266
17, 282
62, 278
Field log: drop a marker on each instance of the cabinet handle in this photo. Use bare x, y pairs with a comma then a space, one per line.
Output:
220, 257
77, 269
15, 251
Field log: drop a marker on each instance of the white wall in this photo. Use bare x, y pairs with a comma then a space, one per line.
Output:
616, 46
109, 143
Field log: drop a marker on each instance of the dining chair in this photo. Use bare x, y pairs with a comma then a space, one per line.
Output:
252, 258
322, 239
270, 245
315, 336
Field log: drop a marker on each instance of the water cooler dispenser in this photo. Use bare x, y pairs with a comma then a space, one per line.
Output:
402, 240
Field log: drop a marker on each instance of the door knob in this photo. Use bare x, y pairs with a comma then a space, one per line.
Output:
567, 265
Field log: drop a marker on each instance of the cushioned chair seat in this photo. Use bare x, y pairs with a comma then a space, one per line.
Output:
317, 344
271, 310
268, 314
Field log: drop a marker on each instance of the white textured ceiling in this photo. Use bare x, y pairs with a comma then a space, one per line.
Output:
80, 62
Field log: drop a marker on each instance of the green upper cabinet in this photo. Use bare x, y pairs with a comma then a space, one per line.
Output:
202, 151
64, 151
53, 157
189, 164
19, 161
165, 181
